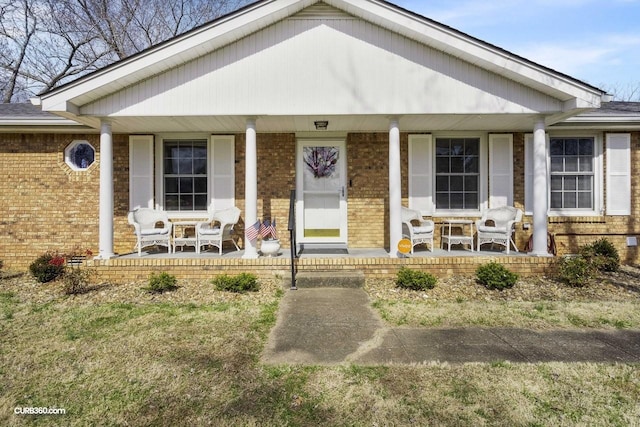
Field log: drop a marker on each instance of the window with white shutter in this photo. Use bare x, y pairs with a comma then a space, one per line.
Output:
421, 174
141, 171
618, 174
500, 170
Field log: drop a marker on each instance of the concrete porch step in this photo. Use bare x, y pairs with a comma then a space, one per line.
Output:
330, 279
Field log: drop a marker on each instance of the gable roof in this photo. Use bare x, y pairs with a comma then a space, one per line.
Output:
68, 99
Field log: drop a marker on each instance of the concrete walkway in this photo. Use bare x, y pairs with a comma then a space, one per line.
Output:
325, 326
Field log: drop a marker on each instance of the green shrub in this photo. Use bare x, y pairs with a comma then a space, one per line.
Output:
576, 271
495, 276
47, 267
602, 255
244, 282
415, 280
76, 281
162, 282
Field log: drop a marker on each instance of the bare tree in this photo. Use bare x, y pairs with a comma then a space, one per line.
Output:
45, 43
629, 92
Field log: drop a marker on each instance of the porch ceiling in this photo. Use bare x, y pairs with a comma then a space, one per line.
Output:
353, 123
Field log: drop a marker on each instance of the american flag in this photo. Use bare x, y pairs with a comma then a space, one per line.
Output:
272, 229
265, 229
252, 231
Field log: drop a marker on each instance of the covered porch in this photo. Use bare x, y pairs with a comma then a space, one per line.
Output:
392, 92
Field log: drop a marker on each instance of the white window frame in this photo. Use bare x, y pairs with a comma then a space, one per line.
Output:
67, 154
483, 171
159, 175
598, 174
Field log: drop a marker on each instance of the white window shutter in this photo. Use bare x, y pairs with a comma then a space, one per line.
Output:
222, 177
528, 174
618, 174
421, 174
140, 171
500, 170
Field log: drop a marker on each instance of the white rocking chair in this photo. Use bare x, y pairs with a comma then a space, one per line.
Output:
145, 223
217, 228
421, 233
497, 225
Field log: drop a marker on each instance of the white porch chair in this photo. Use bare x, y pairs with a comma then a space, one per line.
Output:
145, 223
501, 226
419, 233
217, 228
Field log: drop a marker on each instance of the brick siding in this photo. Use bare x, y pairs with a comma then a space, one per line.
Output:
46, 206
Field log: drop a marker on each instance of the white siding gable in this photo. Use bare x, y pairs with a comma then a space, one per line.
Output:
346, 66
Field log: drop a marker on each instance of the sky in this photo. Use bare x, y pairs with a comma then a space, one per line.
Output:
596, 41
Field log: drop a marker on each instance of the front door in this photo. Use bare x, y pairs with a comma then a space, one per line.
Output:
321, 192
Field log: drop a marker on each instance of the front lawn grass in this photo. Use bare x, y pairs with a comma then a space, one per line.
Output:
184, 364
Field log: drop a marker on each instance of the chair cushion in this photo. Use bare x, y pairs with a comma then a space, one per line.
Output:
491, 229
152, 231
423, 229
210, 231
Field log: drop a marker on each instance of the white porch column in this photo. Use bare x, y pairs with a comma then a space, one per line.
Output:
250, 187
105, 228
540, 190
395, 189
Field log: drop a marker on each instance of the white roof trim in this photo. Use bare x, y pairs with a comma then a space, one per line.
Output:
68, 98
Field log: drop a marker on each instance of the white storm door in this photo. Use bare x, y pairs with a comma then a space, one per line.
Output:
321, 191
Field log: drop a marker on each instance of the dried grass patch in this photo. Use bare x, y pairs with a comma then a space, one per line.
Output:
535, 303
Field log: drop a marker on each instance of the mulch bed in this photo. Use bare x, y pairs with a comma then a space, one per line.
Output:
621, 285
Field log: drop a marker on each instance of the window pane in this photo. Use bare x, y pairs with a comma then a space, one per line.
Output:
457, 165
456, 183
185, 166
471, 201
186, 202
570, 183
171, 202
200, 202
442, 200
472, 148
470, 183
200, 185
584, 183
186, 185
571, 147
456, 201
556, 183
457, 147
556, 200
584, 200
185, 152
170, 167
557, 164
586, 147
471, 165
199, 150
171, 185
569, 200
442, 165
586, 164
556, 147
571, 164
200, 166
442, 183
442, 147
